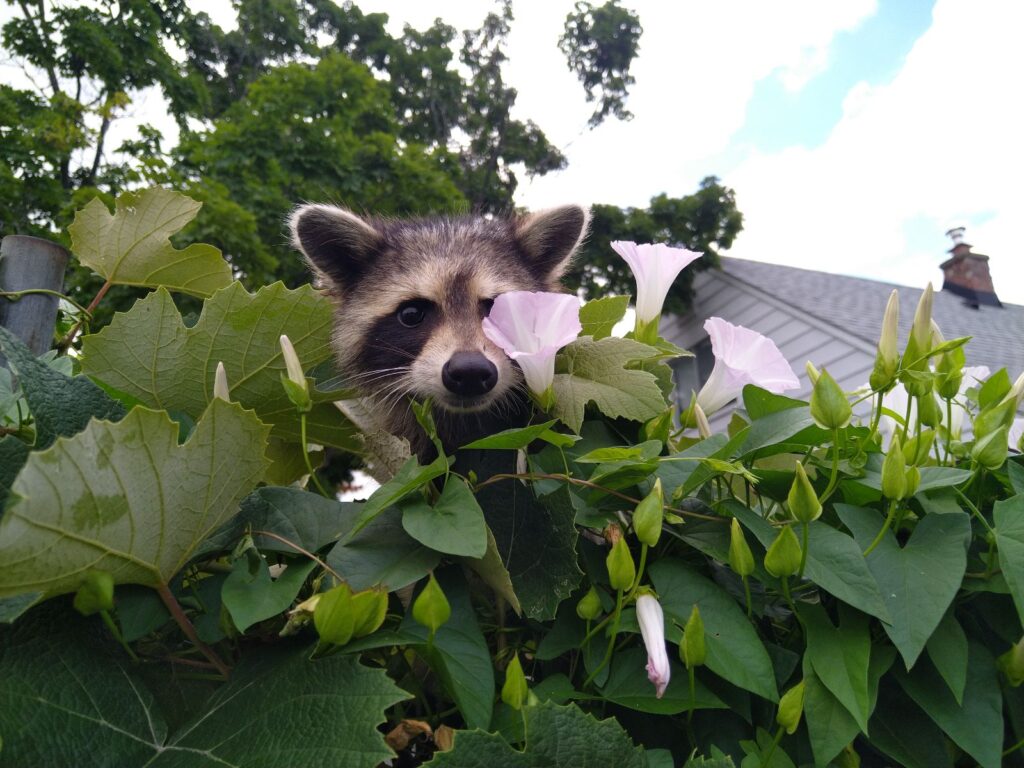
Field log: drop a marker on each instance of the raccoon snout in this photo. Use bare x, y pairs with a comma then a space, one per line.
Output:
469, 374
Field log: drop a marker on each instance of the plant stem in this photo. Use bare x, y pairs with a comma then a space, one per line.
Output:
611, 640
639, 571
949, 428
974, 510
305, 456
789, 598
116, 632
893, 506
771, 751
190, 631
69, 339
803, 550
906, 420
15, 295
746, 593
693, 694
302, 551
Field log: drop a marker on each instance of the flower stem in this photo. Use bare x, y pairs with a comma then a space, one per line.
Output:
893, 506
639, 572
766, 760
611, 640
305, 456
116, 632
746, 593
833, 480
803, 551
693, 694
190, 631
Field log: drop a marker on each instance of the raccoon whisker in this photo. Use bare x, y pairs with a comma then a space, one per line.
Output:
378, 376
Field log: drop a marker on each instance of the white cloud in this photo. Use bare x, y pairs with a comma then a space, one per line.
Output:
939, 144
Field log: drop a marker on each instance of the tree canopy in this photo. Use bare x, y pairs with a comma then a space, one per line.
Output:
307, 100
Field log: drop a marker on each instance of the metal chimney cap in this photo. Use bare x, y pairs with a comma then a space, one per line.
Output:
956, 234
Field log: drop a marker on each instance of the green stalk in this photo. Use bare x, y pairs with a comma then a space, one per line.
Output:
693, 694
309, 464
803, 551
611, 640
766, 760
893, 506
746, 593
116, 632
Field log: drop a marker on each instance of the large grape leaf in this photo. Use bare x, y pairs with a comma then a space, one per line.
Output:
595, 371
126, 498
132, 246
65, 701
150, 354
557, 736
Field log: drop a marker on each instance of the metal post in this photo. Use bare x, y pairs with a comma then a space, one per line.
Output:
31, 263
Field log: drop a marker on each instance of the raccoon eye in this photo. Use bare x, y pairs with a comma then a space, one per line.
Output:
412, 313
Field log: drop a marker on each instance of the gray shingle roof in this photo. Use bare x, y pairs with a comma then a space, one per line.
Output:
857, 305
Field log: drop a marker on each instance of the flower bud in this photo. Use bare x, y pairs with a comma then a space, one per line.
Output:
803, 501
741, 559
950, 373
829, 406
648, 516
917, 383
220, 383
333, 615
515, 689
369, 609
692, 648
995, 416
894, 471
918, 448
295, 385
1011, 663
1016, 393
589, 606
791, 707
703, 425
621, 570
887, 359
991, 450
928, 411
812, 373
95, 594
913, 477
783, 556
431, 607
921, 330
651, 620
659, 428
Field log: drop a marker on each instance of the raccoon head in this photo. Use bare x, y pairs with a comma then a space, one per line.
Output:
411, 295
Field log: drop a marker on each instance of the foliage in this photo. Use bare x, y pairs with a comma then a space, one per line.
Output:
260, 623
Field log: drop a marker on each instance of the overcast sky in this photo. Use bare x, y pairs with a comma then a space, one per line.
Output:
855, 133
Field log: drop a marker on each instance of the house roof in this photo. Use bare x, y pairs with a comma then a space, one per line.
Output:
857, 305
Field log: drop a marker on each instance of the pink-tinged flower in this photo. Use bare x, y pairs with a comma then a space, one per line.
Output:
742, 357
531, 327
1016, 438
652, 628
655, 267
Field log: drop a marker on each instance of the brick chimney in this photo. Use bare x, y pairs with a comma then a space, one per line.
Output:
966, 273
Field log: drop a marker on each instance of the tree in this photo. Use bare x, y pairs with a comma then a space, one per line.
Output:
706, 221
599, 45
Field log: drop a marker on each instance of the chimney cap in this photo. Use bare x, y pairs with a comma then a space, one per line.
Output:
956, 234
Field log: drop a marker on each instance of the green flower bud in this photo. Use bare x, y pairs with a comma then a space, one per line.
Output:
703, 425
791, 707
589, 606
659, 428
649, 514
829, 406
369, 608
812, 372
431, 607
783, 556
333, 616
887, 359
741, 559
692, 648
803, 501
848, 758
95, 594
894, 471
928, 411
917, 383
220, 383
1011, 663
950, 373
621, 570
295, 384
992, 418
918, 448
921, 330
913, 477
515, 690
991, 450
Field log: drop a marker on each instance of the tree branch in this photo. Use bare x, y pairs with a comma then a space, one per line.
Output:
42, 39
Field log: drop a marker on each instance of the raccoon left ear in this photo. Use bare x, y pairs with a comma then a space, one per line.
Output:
337, 243
549, 238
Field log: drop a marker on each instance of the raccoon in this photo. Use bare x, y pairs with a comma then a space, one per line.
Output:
410, 297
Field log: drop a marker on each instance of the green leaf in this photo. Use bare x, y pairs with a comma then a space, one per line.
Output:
61, 405
559, 736
734, 651
834, 562
1008, 516
251, 597
133, 247
278, 709
459, 652
131, 501
628, 686
494, 574
919, 581
977, 725
382, 554
947, 648
599, 316
148, 353
454, 525
994, 388
536, 539
510, 439
839, 657
760, 402
791, 426
1015, 471
13, 455
409, 478
901, 730
595, 371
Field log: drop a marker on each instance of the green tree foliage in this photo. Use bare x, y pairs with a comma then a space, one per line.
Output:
599, 45
706, 221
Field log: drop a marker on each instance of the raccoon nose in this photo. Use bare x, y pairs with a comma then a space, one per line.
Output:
469, 373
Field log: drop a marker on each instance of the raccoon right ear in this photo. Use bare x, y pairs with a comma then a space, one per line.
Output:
550, 237
337, 243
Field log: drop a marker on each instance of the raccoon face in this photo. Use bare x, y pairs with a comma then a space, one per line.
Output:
411, 296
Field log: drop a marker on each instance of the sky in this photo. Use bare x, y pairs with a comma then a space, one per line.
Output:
855, 132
